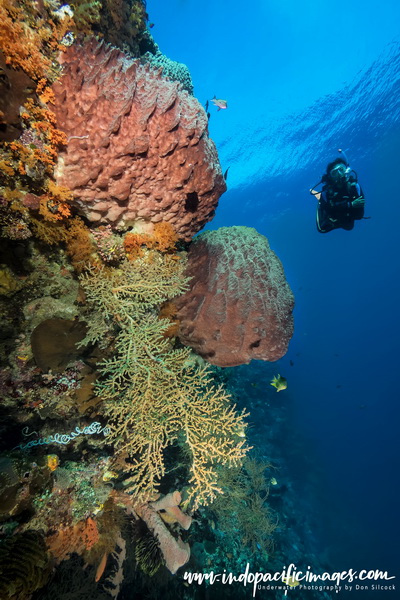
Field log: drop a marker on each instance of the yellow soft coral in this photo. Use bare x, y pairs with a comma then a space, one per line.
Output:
28, 36
164, 236
80, 247
74, 234
133, 243
21, 44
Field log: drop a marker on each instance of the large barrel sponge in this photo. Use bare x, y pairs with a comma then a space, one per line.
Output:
239, 306
137, 143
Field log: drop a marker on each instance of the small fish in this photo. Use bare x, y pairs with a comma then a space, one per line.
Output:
108, 475
226, 174
208, 116
291, 363
291, 581
206, 106
222, 104
240, 431
52, 461
254, 384
273, 481
97, 509
279, 383
151, 25
101, 567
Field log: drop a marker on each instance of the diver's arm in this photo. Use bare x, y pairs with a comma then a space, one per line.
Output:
348, 204
331, 202
315, 193
324, 198
358, 202
357, 194
353, 198
338, 204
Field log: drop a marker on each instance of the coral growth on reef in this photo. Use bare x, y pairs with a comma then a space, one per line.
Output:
24, 565
239, 306
106, 168
152, 396
156, 545
170, 68
137, 144
248, 488
123, 24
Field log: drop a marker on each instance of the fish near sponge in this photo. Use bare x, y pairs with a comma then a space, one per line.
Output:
279, 382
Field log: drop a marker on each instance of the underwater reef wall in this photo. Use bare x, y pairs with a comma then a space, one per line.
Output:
137, 143
239, 306
113, 435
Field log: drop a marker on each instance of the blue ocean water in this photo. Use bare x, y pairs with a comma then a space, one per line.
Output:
302, 80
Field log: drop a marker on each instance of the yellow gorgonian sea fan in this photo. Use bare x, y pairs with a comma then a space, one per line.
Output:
154, 397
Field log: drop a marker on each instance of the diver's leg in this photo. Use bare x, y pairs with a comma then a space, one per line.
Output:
324, 224
348, 225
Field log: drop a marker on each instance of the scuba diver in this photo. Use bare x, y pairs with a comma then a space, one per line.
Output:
341, 200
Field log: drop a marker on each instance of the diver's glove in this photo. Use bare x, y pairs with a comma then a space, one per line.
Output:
358, 202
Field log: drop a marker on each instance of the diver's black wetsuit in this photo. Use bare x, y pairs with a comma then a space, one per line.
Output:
335, 208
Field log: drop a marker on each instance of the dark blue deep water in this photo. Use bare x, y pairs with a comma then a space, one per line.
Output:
302, 80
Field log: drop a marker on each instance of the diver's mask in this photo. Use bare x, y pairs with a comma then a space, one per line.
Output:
338, 173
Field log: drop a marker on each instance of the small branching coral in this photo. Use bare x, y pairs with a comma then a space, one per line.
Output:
153, 397
244, 512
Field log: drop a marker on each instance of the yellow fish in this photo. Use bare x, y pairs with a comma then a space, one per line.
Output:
291, 581
279, 383
240, 432
52, 461
108, 475
273, 481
